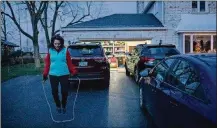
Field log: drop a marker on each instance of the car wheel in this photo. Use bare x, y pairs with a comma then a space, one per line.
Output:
127, 72
136, 75
105, 82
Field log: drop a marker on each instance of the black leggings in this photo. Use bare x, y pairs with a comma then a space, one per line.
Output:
54, 81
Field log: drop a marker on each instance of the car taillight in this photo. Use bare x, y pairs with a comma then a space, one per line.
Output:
146, 59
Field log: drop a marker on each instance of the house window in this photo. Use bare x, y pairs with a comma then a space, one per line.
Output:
199, 6
202, 6
187, 44
199, 43
214, 43
194, 4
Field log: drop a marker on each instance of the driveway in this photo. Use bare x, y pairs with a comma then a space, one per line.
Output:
24, 104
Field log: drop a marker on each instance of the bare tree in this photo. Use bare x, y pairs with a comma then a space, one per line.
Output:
3, 27
67, 12
35, 10
44, 20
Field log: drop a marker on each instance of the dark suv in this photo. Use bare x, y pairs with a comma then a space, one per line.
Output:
91, 62
147, 56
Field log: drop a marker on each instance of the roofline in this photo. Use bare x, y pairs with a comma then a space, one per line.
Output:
148, 6
192, 31
114, 29
116, 39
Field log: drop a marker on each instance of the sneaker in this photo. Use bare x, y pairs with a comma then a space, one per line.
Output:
64, 110
58, 110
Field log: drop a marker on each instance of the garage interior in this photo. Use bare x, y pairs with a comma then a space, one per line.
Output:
119, 48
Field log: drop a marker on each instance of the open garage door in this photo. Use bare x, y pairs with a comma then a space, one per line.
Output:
118, 47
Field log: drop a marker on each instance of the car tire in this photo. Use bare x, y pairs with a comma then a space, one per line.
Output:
105, 82
136, 75
127, 72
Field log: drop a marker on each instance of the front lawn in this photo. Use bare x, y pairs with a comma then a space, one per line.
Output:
8, 72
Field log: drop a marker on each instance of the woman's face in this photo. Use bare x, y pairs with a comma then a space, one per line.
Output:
57, 44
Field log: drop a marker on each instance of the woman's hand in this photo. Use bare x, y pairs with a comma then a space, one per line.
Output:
44, 78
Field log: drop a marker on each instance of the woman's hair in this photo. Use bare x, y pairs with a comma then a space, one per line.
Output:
57, 37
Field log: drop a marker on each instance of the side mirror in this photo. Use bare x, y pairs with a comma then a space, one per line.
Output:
145, 73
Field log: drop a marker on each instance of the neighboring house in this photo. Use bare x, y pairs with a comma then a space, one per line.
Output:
188, 23
180, 23
7, 47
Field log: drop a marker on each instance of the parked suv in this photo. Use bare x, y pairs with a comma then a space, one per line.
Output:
147, 56
91, 62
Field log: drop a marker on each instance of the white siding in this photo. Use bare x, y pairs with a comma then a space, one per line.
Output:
154, 36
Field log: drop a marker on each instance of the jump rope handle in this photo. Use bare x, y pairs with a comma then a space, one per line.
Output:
43, 82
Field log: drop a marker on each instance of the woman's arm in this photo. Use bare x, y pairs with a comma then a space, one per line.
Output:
47, 65
71, 67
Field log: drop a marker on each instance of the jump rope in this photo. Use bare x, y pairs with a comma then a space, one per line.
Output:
73, 114
73, 117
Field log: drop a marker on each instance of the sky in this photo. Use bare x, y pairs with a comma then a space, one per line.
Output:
109, 8
121, 7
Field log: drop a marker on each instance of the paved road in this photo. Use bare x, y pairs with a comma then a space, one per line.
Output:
24, 104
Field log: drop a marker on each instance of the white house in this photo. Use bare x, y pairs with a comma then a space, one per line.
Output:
187, 22
180, 22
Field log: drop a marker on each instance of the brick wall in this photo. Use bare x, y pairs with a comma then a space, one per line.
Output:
212, 6
173, 11
172, 16
139, 6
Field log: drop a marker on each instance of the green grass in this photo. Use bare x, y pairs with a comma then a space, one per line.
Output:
8, 72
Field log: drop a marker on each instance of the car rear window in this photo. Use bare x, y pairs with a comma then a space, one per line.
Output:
79, 51
163, 50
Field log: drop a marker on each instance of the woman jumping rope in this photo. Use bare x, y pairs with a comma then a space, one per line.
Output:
59, 67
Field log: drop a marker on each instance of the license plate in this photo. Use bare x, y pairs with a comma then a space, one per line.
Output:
82, 64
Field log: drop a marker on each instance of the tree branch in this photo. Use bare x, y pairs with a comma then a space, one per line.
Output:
84, 16
41, 9
57, 6
16, 23
3, 31
31, 12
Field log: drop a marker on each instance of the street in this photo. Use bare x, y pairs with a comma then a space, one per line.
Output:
24, 104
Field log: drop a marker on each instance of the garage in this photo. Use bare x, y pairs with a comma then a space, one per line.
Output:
118, 33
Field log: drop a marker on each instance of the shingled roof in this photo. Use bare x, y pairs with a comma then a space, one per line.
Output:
5, 42
120, 20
